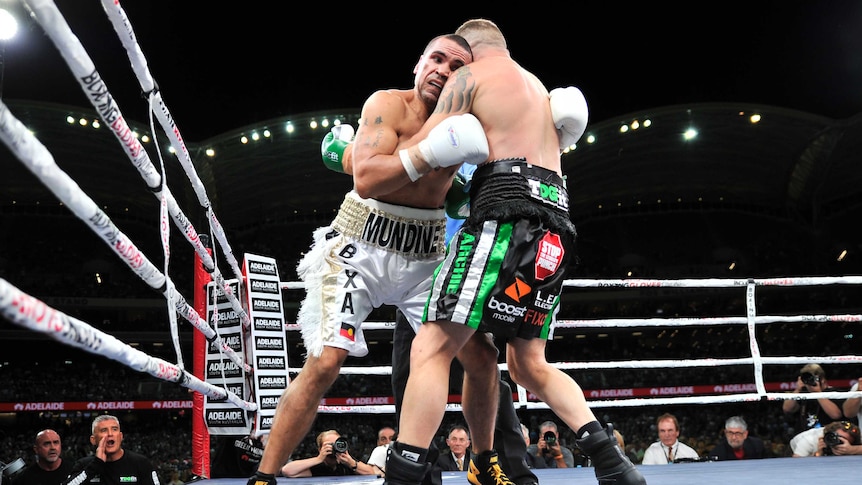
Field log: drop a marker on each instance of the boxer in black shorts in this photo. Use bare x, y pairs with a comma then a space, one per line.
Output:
503, 270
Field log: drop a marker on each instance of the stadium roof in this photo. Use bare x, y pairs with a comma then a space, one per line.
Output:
788, 164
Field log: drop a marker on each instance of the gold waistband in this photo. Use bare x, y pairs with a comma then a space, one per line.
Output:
413, 232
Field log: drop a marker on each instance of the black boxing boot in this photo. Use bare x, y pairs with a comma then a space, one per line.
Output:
402, 467
485, 470
612, 466
260, 478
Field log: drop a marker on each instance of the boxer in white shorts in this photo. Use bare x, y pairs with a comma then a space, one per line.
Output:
373, 254
386, 240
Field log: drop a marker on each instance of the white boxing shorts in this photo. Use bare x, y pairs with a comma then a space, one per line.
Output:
372, 254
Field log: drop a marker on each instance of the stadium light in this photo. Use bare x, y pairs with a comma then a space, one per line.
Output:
8, 25
8, 29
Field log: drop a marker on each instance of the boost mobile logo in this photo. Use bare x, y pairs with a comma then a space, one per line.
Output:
518, 289
516, 311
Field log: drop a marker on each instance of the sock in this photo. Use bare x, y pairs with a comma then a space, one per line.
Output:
589, 428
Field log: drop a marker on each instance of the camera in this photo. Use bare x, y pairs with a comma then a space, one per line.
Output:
550, 438
831, 438
809, 379
339, 446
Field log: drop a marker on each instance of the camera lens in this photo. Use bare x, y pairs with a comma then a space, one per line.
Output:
831, 438
550, 438
809, 379
339, 445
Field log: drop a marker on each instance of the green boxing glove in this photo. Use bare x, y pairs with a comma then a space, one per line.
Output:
457, 202
333, 145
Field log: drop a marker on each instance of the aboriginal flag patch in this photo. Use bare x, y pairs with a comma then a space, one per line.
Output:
348, 331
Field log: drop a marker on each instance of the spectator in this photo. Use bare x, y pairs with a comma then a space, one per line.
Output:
668, 448
385, 435
811, 413
851, 408
836, 438
49, 468
175, 478
531, 459
111, 463
549, 450
377, 458
738, 445
333, 459
458, 455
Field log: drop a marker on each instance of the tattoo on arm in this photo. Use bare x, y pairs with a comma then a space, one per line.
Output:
377, 139
457, 96
378, 121
368, 139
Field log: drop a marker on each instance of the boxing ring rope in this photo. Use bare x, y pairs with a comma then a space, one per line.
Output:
17, 306
24, 310
121, 24
49, 17
751, 320
96, 90
40, 162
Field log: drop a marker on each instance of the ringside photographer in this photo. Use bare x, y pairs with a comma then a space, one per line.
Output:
550, 450
333, 459
836, 438
809, 413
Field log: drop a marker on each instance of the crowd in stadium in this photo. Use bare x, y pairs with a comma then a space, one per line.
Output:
165, 436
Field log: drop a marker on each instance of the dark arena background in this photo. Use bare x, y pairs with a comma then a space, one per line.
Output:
719, 251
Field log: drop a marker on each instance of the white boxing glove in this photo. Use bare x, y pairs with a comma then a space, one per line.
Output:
570, 113
457, 139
